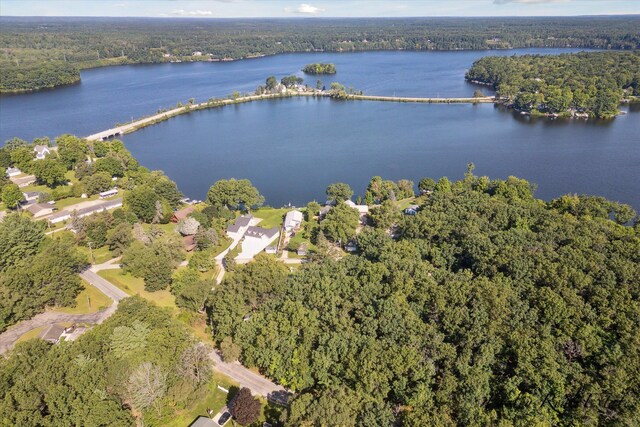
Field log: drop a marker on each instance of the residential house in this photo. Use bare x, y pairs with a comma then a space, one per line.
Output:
293, 220
238, 228
59, 216
256, 239
53, 333
38, 210
324, 211
189, 243
11, 172
109, 193
362, 209
303, 250
41, 151
204, 422
81, 213
182, 213
31, 196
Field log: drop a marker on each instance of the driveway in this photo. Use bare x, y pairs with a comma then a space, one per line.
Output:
9, 337
246, 378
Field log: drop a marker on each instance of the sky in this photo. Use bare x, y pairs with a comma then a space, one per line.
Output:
313, 8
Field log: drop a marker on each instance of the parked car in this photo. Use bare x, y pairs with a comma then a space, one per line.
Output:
224, 418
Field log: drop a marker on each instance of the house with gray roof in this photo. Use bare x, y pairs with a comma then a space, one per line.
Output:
256, 239
239, 227
41, 151
38, 210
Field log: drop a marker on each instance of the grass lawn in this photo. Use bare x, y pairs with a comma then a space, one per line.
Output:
167, 228
405, 203
214, 399
100, 255
270, 217
135, 286
88, 301
34, 333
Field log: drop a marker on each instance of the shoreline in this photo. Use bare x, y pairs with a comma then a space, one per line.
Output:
120, 61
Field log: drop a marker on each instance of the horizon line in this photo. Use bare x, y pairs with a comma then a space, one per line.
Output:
204, 18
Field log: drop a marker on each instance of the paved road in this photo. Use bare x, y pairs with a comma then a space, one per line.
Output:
246, 378
11, 335
103, 285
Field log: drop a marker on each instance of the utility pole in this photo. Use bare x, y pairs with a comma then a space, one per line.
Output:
93, 261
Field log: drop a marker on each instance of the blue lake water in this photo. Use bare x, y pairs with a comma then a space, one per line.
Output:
291, 149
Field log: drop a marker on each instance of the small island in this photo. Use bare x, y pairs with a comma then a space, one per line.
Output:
319, 69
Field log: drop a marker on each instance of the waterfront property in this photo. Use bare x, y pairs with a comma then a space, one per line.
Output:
293, 220
41, 151
256, 239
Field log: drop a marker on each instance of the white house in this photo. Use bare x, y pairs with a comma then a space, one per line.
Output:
41, 151
39, 210
31, 196
59, 216
238, 228
256, 239
109, 193
293, 220
362, 209
11, 172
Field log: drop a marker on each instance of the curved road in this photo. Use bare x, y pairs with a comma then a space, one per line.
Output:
9, 337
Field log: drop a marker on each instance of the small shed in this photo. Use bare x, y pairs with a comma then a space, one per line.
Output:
303, 250
203, 422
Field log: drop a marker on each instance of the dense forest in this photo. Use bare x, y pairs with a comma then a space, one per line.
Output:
488, 307
591, 83
46, 52
140, 362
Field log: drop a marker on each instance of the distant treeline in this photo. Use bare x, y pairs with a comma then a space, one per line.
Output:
36, 51
591, 83
319, 69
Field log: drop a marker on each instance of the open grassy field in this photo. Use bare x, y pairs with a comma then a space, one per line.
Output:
270, 217
135, 286
90, 300
100, 255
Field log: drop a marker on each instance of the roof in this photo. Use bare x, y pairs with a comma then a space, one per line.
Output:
13, 170
31, 194
40, 148
60, 214
363, 209
293, 216
100, 207
183, 213
203, 422
325, 209
260, 232
242, 221
36, 208
189, 242
413, 207
53, 333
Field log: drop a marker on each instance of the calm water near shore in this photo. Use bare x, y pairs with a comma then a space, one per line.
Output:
291, 149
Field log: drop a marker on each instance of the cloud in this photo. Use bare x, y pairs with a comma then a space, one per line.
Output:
529, 1
182, 12
305, 9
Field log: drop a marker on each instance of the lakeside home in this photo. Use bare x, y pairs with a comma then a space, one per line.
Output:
80, 213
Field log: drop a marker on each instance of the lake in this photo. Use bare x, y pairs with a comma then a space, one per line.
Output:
292, 149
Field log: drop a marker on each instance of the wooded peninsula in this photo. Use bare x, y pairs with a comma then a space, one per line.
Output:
580, 84
42, 53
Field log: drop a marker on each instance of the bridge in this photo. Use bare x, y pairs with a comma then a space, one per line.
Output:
137, 124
